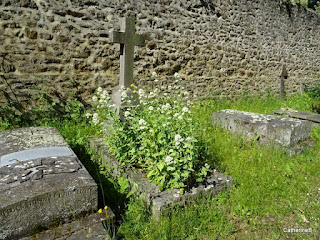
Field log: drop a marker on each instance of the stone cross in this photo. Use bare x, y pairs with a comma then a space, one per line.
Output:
127, 39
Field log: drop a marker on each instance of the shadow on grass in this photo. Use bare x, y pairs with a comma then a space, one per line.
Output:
108, 194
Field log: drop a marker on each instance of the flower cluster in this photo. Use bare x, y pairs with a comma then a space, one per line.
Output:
158, 134
101, 101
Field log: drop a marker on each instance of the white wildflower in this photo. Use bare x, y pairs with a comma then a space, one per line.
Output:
124, 94
126, 113
150, 108
99, 90
95, 118
104, 94
151, 95
180, 117
171, 151
142, 127
94, 98
176, 75
142, 122
185, 109
185, 146
141, 92
166, 106
88, 115
177, 137
150, 130
169, 160
176, 115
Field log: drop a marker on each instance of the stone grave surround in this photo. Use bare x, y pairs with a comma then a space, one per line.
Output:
287, 132
42, 182
156, 200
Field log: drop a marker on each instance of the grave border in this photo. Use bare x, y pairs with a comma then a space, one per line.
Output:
157, 201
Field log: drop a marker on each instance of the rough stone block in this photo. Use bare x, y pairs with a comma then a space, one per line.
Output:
309, 116
287, 132
89, 227
156, 200
42, 182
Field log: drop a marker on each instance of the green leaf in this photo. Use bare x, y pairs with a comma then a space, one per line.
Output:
130, 193
161, 165
171, 168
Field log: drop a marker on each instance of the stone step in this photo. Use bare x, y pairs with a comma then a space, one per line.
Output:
94, 226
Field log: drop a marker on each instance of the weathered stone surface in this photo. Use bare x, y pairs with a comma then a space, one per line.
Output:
41, 191
89, 227
287, 132
312, 117
218, 47
156, 200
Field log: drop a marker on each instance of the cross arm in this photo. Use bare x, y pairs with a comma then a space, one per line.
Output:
116, 37
139, 40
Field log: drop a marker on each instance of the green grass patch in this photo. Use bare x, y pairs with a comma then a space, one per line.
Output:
271, 190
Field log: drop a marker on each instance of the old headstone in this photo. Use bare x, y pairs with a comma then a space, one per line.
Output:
41, 182
127, 39
290, 133
283, 76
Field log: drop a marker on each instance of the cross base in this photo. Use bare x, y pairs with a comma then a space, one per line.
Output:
120, 106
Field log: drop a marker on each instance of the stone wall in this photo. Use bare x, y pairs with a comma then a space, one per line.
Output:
60, 47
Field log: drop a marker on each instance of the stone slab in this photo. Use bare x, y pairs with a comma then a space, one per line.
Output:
156, 200
34, 153
312, 117
88, 227
286, 132
41, 191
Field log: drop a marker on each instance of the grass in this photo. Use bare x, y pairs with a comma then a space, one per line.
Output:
271, 190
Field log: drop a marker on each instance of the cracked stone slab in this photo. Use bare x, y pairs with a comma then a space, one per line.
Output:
42, 182
312, 117
293, 134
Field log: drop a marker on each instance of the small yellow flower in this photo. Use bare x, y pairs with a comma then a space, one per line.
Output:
132, 85
100, 211
193, 106
134, 91
106, 208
